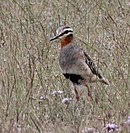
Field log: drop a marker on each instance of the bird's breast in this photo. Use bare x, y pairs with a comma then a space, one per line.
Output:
68, 59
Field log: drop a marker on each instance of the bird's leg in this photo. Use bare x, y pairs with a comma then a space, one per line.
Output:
76, 92
89, 93
84, 82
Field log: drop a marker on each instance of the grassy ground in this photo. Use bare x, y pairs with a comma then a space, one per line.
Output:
29, 71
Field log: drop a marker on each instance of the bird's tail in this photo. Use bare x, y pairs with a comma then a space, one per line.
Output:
105, 81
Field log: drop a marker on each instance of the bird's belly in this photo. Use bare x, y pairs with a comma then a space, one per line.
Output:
72, 69
79, 68
75, 79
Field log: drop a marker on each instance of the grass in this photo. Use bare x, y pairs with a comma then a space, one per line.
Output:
29, 70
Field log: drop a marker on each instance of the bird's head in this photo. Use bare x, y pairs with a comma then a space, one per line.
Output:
65, 34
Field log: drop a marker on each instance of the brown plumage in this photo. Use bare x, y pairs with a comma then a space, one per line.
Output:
76, 65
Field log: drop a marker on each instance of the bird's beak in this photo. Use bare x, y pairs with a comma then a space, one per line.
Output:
56, 37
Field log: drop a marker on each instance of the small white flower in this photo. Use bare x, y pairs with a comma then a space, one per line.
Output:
88, 130
57, 92
111, 127
42, 98
128, 4
128, 121
18, 126
66, 100
129, 118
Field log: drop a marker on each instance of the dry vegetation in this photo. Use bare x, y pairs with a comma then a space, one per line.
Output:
29, 71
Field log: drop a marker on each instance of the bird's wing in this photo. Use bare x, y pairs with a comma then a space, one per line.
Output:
92, 66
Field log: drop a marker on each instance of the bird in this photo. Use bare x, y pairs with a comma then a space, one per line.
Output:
75, 63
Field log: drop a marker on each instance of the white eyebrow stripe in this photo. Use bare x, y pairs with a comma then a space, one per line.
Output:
69, 29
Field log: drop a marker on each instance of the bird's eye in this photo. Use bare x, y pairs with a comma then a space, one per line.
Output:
66, 32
